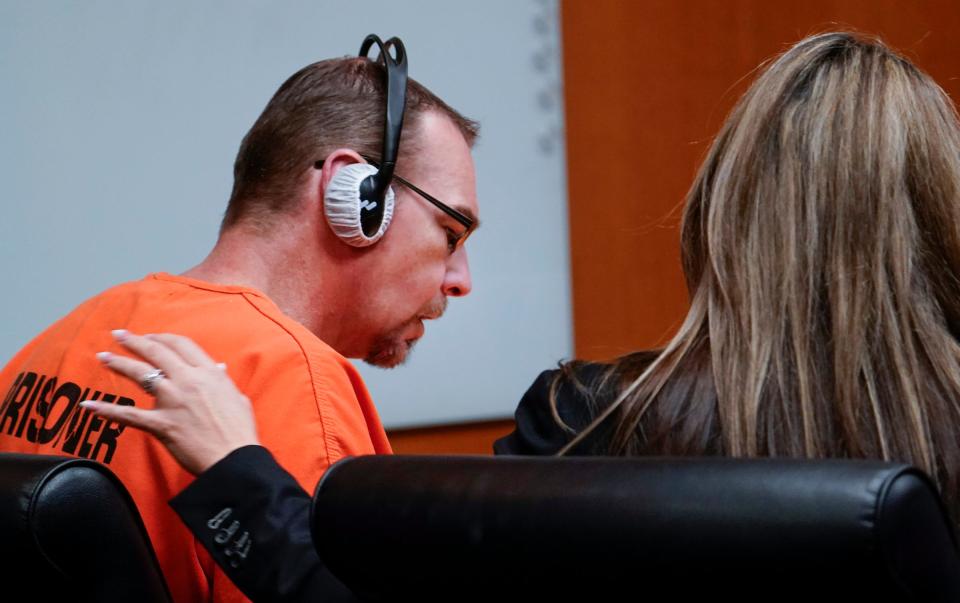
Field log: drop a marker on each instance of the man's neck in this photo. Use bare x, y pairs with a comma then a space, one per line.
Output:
278, 266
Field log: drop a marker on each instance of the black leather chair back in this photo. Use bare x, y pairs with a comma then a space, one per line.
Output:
69, 531
596, 529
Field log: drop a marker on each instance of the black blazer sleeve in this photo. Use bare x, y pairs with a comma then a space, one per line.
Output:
537, 432
254, 518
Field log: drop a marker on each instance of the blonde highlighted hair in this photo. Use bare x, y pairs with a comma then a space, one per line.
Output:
821, 247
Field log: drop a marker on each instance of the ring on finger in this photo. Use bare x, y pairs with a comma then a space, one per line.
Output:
150, 379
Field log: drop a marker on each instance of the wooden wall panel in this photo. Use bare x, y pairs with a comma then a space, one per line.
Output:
464, 438
647, 84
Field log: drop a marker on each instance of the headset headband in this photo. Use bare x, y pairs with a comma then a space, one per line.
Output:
396, 101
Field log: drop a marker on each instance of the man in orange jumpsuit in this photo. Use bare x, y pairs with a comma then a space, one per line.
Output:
287, 294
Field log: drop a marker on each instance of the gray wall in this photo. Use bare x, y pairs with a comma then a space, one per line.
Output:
119, 122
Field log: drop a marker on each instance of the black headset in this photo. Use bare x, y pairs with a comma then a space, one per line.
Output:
359, 200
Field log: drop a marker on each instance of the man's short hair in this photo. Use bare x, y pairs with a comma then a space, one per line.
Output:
337, 103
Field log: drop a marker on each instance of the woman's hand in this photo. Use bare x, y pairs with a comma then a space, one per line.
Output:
200, 416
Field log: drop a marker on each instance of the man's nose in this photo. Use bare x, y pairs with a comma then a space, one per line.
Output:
457, 282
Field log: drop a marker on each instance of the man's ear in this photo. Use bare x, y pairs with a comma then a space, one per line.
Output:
332, 163
354, 219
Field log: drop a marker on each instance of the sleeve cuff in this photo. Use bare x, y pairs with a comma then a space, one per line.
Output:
232, 469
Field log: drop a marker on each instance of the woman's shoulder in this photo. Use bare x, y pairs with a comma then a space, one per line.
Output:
562, 402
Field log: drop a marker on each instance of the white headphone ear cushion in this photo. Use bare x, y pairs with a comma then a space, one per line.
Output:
342, 205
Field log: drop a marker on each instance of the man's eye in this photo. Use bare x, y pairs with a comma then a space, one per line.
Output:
452, 240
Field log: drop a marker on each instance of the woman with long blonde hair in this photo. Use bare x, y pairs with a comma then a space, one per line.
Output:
821, 248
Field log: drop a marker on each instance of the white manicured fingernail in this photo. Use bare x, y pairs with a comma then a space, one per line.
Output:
104, 356
88, 404
119, 334
222, 366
